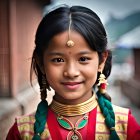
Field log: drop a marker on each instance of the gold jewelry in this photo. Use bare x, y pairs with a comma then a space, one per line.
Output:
74, 110
102, 83
73, 134
70, 43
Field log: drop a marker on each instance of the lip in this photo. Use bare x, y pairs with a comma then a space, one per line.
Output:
72, 85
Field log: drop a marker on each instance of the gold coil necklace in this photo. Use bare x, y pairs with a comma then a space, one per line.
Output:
74, 110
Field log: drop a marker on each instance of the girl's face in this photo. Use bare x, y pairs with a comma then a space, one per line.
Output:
71, 71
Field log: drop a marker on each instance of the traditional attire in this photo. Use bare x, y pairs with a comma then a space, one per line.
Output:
125, 125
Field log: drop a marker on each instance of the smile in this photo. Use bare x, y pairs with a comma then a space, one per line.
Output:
72, 85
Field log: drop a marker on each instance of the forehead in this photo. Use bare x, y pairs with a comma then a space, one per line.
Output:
58, 42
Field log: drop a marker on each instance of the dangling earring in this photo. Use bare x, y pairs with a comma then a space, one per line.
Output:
102, 84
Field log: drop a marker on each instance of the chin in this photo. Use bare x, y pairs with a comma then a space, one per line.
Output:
73, 99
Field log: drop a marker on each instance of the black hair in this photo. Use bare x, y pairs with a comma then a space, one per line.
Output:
84, 21
88, 24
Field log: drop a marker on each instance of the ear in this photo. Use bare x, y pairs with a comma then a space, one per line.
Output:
39, 63
103, 61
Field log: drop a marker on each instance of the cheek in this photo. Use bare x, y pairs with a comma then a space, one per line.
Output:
91, 72
92, 79
52, 74
92, 75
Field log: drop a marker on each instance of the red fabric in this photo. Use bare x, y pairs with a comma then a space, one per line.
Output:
91, 125
53, 126
133, 132
13, 133
57, 132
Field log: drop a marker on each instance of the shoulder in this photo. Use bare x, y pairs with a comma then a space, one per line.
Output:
13, 133
120, 110
22, 127
121, 121
121, 115
133, 128
25, 119
25, 125
125, 120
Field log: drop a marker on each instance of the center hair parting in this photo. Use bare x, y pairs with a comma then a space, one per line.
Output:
70, 43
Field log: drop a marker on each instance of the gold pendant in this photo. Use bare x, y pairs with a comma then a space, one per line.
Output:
70, 43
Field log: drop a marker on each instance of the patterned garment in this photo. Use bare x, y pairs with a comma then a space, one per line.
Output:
126, 127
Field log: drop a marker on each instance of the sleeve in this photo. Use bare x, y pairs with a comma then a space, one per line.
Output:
13, 133
133, 131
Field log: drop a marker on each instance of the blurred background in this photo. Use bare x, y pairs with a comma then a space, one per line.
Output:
18, 24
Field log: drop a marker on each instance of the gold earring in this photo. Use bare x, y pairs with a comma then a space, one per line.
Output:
102, 84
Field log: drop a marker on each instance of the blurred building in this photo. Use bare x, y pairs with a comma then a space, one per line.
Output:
124, 33
18, 22
131, 86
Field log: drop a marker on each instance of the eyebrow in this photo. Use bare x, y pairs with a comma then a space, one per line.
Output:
55, 53
85, 52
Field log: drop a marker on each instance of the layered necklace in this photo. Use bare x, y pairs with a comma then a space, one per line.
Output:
73, 110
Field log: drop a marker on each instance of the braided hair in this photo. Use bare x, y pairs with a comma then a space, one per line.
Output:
42, 108
88, 24
104, 101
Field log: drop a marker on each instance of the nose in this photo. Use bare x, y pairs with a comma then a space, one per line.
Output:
71, 70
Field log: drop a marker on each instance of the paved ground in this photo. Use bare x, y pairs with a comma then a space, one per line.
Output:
119, 99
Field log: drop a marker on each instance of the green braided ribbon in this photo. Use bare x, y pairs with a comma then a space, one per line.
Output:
107, 110
114, 135
40, 116
36, 137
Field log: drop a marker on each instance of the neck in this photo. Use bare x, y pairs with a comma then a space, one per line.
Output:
71, 101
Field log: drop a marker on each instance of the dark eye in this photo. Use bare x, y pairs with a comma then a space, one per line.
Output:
83, 59
57, 60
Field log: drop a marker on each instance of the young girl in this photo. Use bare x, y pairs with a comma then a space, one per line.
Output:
71, 57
